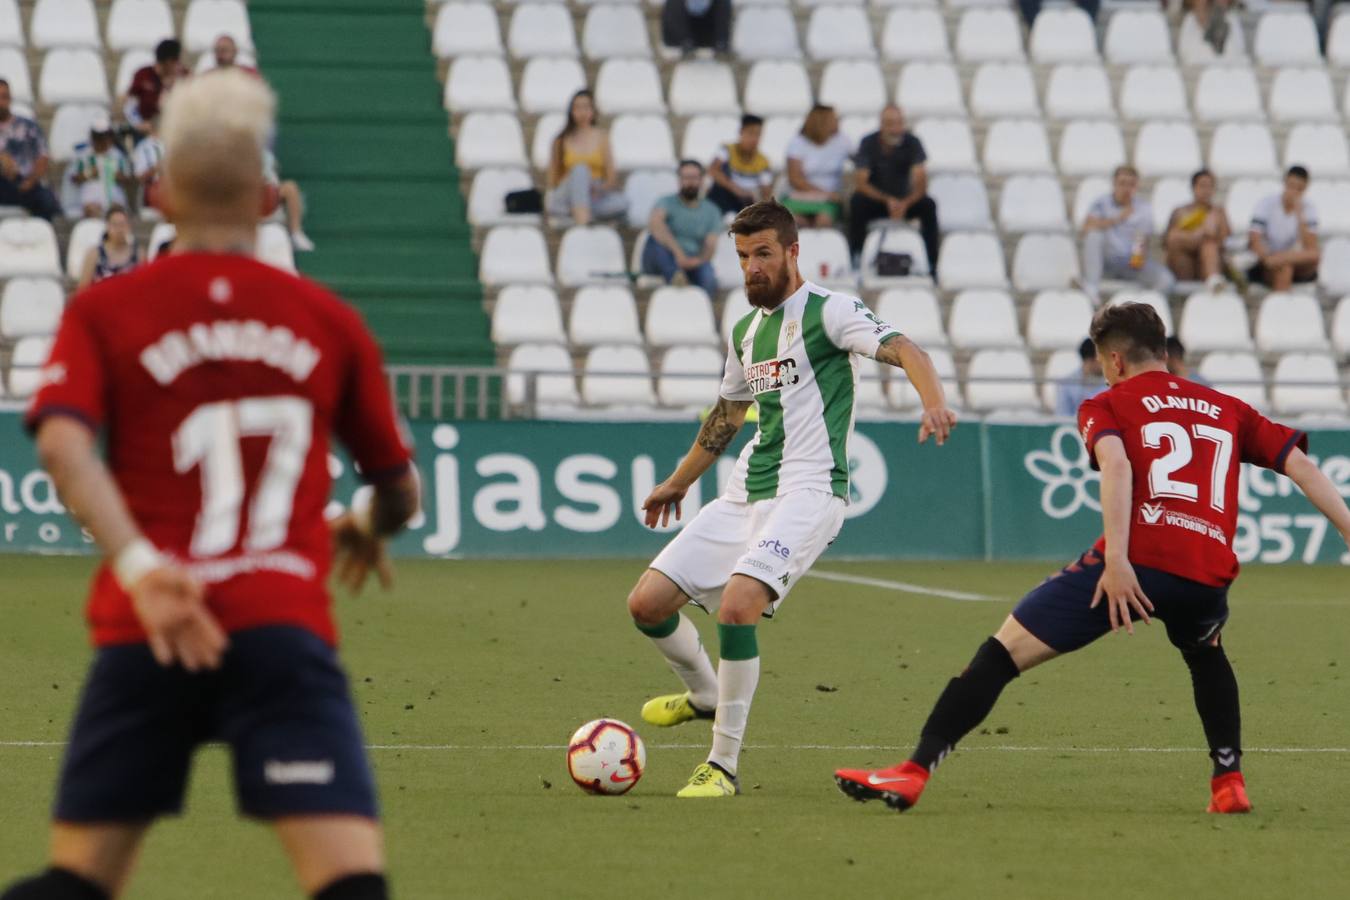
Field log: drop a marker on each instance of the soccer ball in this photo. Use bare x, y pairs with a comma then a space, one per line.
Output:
606, 757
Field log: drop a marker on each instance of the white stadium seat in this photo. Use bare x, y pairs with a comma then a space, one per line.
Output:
1227, 92
489, 139
930, 89
30, 306
1044, 261
1286, 39
1334, 272
1215, 322
1058, 320
680, 315
903, 395
11, 24
1338, 43
823, 256
514, 254
1001, 379
479, 83
1237, 374
989, 34
765, 32
1332, 201
162, 233
25, 365
487, 196
853, 87
548, 83
1060, 364
14, 69
1017, 145
556, 386
207, 20
735, 307
971, 260
1321, 148
1168, 194
777, 87
590, 254
1031, 203
1137, 36
1087, 192
839, 32
28, 247
1063, 34
466, 28
86, 234
138, 23
871, 392
1078, 92
604, 315
1194, 50
703, 135
962, 200
689, 376
703, 86
726, 264
914, 33
1166, 148
273, 246
644, 188
949, 145
983, 318
527, 313
64, 23
614, 30
1242, 197
628, 86
1090, 148
1153, 92
1153, 299
1340, 327
619, 376
1242, 149
1003, 90
856, 126
541, 29
1302, 95
1307, 383
641, 142
915, 312
133, 61
1290, 321
892, 239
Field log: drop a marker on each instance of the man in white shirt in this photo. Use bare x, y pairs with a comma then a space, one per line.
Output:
1283, 235
1116, 238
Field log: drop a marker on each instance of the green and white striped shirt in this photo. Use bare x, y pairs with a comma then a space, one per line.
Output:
798, 361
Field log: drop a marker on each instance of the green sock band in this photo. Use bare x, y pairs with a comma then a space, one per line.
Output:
660, 629
737, 641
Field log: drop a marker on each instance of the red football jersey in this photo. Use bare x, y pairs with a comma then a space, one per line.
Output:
217, 380
1185, 443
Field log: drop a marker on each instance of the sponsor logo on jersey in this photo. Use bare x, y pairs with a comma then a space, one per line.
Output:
1155, 514
759, 565
776, 547
1150, 513
771, 375
1154, 403
300, 772
1087, 428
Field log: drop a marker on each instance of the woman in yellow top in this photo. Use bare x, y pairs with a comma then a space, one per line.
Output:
1195, 235
582, 181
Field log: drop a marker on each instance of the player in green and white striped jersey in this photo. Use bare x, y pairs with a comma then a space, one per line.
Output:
796, 355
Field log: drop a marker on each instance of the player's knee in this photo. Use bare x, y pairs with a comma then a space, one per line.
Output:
645, 604
366, 886
744, 601
55, 884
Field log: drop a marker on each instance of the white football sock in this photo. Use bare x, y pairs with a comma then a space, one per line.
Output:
736, 683
683, 649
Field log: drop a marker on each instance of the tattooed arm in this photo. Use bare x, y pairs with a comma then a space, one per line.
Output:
717, 433
901, 352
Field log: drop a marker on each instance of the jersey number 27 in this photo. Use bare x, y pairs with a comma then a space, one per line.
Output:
1160, 471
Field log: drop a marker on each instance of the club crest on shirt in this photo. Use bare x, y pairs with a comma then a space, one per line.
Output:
1150, 513
791, 332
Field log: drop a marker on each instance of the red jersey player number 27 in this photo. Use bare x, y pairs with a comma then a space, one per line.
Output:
1185, 443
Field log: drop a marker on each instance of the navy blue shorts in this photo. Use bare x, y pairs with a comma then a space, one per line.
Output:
1059, 611
279, 701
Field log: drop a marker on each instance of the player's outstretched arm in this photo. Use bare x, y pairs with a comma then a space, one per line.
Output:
1119, 585
938, 420
716, 434
359, 535
1319, 489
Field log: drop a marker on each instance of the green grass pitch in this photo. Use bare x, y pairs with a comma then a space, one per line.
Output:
487, 667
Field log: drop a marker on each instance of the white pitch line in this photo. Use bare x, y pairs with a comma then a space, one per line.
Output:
905, 586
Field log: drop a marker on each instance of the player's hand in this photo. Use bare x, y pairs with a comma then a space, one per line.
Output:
1120, 587
358, 553
938, 422
896, 208
171, 607
659, 503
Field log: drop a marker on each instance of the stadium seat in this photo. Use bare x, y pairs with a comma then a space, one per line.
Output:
778, 87
823, 256
949, 145
466, 28
628, 86
207, 20
703, 135
1236, 374
1242, 149
985, 35
857, 126
541, 29
915, 312
131, 62
1227, 92
1334, 272
1153, 299
930, 89
1214, 322
615, 30
690, 376
1307, 383
526, 314
1332, 201
1338, 43
1302, 95
64, 23
514, 254
1031, 203
1058, 320
1153, 92
1060, 364
1167, 195
604, 315
1340, 327
983, 318
25, 365
14, 69
1087, 192
1091, 148
1137, 36
72, 75
1017, 145
1078, 92
1003, 90
590, 254
1286, 39
871, 392
11, 24
765, 32
489, 139
1166, 148
86, 233
1290, 321
617, 376
903, 395
159, 235
1063, 34
487, 196
478, 83
839, 32
962, 202
1321, 148
1044, 261
914, 33
556, 386
703, 86
726, 264
643, 188
1243, 195
735, 307
30, 306
28, 247
641, 142
853, 88
892, 239
273, 247
548, 83
971, 260
680, 315
138, 23
1194, 50
999, 380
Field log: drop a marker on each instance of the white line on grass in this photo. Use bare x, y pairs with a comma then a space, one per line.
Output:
904, 586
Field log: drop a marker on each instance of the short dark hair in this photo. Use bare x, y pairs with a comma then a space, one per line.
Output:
1131, 329
4, 82
1124, 170
1087, 349
765, 215
751, 119
1175, 348
168, 50
1201, 174
1297, 172
690, 162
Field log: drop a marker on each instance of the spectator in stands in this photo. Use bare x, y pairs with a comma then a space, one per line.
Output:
146, 159
226, 52
1031, 8
1195, 235
891, 182
23, 162
1284, 235
688, 24
288, 196
148, 85
118, 252
582, 180
101, 171
1116, 237
1212, 16
740, 173
1176, 361
1088, 381
815, 168
684, 228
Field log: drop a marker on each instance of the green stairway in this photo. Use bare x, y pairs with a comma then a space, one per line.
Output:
363, 132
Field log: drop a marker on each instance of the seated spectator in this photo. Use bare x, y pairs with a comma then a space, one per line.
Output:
1212, 16
582, 180
147, 159
740, 173
815, 168
141, 103
1284, 235
1195, 235
688, 24
101, 170
891, 182
1088, 381
684, 228
288, 196
118, 252
1031, 8
23, 162
1116, 238
1176, 361
226, 52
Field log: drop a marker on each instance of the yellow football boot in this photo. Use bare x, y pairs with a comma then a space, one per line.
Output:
672, 709
710, 781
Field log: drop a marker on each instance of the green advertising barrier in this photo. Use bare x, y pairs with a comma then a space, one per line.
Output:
548, 489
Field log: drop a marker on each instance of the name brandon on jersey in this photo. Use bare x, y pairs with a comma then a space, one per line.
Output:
229, 340
1154, 403
771, 375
